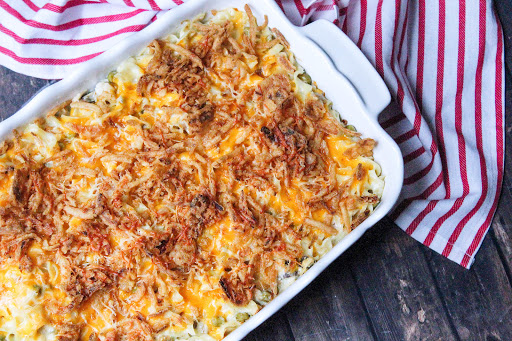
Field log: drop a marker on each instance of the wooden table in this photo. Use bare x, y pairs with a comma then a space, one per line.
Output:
388, 286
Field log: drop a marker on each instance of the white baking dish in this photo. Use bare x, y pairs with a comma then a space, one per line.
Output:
332, 60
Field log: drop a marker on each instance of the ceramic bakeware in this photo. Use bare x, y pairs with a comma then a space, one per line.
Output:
331, 59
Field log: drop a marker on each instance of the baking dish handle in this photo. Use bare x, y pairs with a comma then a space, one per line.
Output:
351, 62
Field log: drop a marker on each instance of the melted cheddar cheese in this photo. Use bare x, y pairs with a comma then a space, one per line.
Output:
179, 196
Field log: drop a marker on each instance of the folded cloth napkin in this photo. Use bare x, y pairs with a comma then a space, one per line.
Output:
443, 65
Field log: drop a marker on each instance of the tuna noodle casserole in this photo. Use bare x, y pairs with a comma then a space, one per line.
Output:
181, 195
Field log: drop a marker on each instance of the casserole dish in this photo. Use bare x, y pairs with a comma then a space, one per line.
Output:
352, 104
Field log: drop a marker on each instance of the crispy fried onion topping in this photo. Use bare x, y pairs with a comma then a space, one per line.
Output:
152, 204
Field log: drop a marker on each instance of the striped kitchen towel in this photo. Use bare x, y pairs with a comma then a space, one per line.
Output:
441, 59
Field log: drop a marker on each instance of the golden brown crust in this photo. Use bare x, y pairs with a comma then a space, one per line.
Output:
160, 197
363, 147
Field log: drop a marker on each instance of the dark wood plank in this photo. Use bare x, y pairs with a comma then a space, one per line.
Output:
397, 286
479, 301
330, 308
15, 90
503, 9
501, 230
277, 326
501, 235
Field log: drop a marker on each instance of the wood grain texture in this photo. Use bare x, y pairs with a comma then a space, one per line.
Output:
397, 287
277, 326
330, 308
15, 90
501, 231
504, 11
478, 301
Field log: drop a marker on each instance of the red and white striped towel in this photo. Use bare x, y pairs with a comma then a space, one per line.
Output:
441, 59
